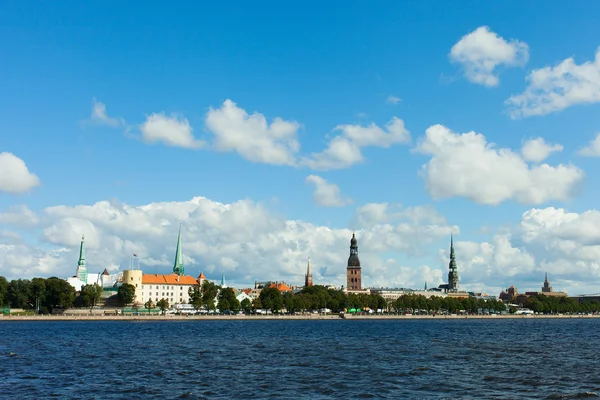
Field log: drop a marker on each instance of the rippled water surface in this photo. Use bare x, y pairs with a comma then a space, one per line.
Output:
407, 359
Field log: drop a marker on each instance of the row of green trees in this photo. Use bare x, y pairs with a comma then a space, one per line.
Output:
47, 293
553, 304
412, 303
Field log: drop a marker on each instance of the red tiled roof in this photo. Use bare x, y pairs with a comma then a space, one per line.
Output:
170, 279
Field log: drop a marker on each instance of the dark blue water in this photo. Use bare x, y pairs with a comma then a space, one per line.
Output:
406, 359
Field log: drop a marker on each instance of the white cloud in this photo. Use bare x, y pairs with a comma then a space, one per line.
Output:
249, 243
173, 131
553, 89
344, 150
15, 177
393, 100
327, 194
252, 136
100, 116
19, 215
482, 51
537, 150
243, 239
467, 165
592, 149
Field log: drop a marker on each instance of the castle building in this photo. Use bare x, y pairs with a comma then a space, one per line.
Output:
353, 271
173, 287
308, 281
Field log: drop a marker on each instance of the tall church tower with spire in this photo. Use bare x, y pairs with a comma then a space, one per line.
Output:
452, 270
308, 277
353, 271
178, 264
82, 272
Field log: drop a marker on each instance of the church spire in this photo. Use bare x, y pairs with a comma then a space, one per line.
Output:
178, 264
81, 262
223, 283
308, 277
81, 271
452, 269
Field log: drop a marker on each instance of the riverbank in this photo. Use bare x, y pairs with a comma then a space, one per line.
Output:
7, 318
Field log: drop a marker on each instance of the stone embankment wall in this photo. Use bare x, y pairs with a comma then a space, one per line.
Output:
82, 317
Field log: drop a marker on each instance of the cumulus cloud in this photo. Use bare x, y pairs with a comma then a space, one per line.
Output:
15, 177
552, 89
19, 215
248, 242
482, 51
344, 150
99, 115
243, 239
592, 149
174, 131
251, 136
537, 150
327, 194
467, 165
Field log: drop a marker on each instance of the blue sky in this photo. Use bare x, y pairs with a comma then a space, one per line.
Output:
319, 66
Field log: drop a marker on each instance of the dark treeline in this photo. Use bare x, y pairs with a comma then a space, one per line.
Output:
48, 293
552, 304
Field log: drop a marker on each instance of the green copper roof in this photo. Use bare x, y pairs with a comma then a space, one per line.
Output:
178, 264
223, 280
81, 262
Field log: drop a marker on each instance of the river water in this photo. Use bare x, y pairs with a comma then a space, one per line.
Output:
343, 359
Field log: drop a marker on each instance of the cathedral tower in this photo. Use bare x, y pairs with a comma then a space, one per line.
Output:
452, 270
353, 272
308, 277
178, 264
82, 272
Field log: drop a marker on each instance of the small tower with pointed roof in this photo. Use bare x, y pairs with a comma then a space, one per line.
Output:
452, 269
223, 283
353, 271
82, 272
178, 264
308, 277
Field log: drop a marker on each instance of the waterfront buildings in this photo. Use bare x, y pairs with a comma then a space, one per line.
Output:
512, 294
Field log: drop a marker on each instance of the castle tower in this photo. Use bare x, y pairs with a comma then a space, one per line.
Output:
308, 277
82, 272
452, 270
178, 264
353, 271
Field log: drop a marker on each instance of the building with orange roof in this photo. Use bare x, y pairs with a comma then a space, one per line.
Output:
173, 287
281, 286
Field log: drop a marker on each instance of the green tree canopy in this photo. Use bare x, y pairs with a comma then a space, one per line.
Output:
163, 304
90, 295
126, 294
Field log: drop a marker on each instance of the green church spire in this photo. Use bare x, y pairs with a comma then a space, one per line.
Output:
81, 271
81, 262
178, 264
223, 283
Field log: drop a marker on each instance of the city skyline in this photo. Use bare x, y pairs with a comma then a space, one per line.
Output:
272, 135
